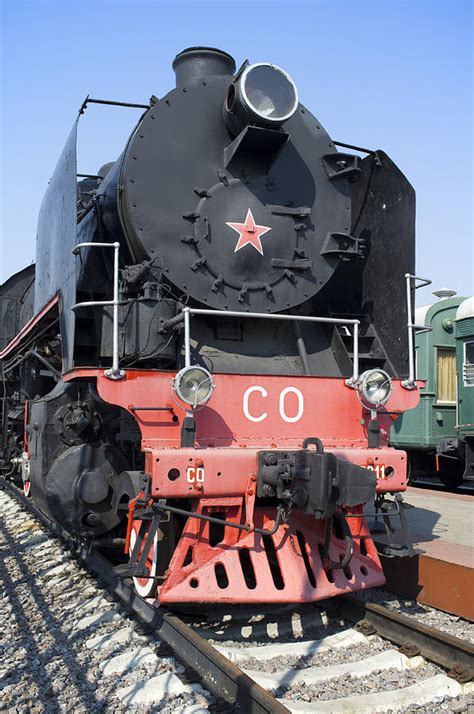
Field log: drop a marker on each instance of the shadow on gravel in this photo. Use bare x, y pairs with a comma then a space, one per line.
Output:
35, 621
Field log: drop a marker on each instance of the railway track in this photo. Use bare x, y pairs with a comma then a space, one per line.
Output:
317, 662
222, 678
124, 654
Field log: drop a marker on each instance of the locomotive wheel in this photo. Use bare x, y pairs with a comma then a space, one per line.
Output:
146, 587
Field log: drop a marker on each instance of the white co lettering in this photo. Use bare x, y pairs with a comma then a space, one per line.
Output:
247, 394
299, 396
195, 474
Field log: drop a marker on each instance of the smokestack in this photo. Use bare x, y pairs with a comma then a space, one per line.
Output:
196, 63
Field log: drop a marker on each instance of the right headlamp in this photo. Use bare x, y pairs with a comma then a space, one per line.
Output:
375, 388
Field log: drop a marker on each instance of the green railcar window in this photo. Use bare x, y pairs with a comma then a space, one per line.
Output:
445, 375
468, 366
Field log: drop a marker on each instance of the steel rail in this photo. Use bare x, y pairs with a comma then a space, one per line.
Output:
218, 675
442, 648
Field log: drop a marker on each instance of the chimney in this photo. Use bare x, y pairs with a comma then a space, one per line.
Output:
198, 63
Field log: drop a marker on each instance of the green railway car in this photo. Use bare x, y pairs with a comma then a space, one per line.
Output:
464, 334
439, 433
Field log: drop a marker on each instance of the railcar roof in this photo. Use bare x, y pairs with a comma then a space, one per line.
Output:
465, 309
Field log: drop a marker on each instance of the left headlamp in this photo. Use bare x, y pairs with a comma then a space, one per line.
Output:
193, 385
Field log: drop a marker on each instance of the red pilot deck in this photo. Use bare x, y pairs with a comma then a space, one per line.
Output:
442, 525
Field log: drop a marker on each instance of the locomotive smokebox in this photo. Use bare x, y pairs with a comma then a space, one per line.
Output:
251, 219
198, 63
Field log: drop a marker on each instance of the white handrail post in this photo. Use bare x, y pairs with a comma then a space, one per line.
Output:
355, 350
410, 382
187, 337
115, 372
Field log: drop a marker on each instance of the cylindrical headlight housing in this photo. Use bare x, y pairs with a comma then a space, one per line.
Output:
193, 385
375, 388
263, 94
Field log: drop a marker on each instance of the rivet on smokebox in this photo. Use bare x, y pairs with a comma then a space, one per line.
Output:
199, 486
370, 462
199, 462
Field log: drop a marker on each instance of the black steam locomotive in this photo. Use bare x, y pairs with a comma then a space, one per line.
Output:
232, 215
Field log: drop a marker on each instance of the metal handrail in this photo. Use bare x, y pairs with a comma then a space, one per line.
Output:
187, 312
412, 329
115, 372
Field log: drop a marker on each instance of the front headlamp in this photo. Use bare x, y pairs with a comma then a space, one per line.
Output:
375, 388
262, 95
193, 385
269, 92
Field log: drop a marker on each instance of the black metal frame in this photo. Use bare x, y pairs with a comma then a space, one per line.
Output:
112, 103
371, 152
394, 548
329, 564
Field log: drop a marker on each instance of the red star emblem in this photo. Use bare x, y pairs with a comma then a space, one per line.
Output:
249, 233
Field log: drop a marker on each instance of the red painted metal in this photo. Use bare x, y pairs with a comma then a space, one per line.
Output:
131, 510
29, 326
331, 410
278, 573
246, 414
227, 470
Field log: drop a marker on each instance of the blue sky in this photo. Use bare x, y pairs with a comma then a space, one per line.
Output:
389, 74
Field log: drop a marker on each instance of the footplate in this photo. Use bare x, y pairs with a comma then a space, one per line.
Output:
224, 564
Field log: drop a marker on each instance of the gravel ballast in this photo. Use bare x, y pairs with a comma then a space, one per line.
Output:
50, 610
68, 646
